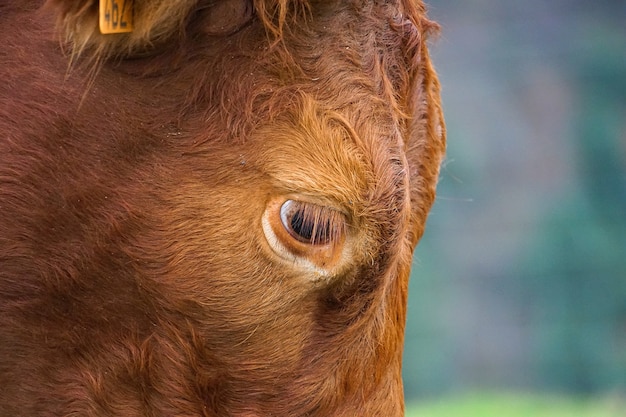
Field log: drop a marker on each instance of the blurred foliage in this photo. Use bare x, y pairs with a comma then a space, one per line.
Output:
520, 279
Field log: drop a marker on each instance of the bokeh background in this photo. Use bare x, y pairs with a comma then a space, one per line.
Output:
519, 283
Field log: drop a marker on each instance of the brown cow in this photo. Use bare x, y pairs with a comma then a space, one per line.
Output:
214, 214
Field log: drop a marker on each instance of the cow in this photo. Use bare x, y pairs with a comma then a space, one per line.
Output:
211, 211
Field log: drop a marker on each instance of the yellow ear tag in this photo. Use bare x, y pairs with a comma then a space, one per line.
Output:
116, 16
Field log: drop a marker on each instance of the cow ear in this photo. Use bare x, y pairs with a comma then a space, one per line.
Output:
153, 22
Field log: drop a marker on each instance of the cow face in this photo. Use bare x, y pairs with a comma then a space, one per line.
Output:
215, 213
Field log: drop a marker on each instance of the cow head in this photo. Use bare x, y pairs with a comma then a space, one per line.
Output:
247, 206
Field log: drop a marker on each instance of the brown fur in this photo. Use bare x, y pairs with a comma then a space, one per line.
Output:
135, 276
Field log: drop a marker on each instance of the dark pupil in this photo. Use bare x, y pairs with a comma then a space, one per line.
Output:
305, 228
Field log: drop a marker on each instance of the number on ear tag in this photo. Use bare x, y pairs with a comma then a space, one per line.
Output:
116, 16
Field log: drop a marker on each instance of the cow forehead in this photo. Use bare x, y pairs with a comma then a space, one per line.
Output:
322, 82
157, 21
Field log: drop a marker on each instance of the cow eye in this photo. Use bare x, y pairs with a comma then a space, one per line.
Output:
311, 234
310, 223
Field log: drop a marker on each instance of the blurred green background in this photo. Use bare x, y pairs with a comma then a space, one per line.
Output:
519, 284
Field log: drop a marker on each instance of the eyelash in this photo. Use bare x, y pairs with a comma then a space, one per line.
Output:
311, 223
